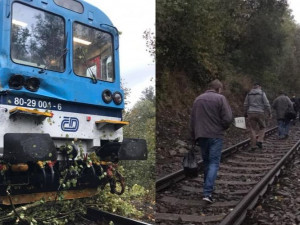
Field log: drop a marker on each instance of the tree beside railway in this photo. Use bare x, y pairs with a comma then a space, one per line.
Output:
142, 125
224, 39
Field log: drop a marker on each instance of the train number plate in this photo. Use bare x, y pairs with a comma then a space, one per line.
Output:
36, 103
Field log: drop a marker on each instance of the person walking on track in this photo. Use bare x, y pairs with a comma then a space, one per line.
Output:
211, 116
256, 104
284, 113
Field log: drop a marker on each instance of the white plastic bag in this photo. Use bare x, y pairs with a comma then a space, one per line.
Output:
240, 122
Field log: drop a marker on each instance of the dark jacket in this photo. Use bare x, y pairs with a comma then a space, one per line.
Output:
256, 102
282, 104
211, 116
296, 105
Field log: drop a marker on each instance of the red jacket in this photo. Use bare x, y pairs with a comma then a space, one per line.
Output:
211, 115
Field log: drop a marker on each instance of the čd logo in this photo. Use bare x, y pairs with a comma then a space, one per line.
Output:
70, 124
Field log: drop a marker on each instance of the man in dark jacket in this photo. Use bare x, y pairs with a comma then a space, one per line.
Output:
211, 116
282, 104
255, 105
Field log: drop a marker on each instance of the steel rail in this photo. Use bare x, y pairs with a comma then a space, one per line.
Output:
238, 214
179, 175
99, 216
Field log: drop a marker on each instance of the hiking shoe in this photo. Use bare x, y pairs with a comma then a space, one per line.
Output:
259, 144
253, 148
208, 199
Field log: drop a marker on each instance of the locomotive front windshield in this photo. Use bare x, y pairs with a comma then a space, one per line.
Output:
37, 38
92, 53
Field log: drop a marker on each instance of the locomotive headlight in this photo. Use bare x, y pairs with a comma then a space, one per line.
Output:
32, 84
16, 82
107, 96
117, 97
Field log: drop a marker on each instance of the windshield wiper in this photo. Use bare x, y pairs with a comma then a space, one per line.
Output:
94, 79
64, 52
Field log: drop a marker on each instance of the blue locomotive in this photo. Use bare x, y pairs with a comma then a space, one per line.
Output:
60, 102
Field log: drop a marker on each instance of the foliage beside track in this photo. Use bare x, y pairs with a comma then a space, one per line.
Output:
228, 40
73, 211
142, 125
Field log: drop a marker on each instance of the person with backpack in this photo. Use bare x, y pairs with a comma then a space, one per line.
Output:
296, 106
256, 104
211, 116
284, 114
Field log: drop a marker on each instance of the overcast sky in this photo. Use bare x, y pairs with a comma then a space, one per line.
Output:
295, 7
132, 18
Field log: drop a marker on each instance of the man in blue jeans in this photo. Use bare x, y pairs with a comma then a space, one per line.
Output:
211, 116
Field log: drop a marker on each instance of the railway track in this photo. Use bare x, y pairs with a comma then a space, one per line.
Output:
93, 216
243, 177
102, 217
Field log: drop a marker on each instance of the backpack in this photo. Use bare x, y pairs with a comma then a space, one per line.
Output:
296, 104
289, 115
